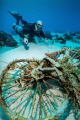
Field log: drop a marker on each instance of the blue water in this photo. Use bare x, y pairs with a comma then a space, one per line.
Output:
57, 15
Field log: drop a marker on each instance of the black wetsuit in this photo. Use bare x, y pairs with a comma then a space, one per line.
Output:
29, 28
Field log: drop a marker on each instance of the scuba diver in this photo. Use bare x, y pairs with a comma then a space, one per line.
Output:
27, 30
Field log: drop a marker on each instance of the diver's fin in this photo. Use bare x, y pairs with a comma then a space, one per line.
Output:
15, 14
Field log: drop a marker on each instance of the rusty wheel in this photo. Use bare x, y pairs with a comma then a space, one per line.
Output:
24, 97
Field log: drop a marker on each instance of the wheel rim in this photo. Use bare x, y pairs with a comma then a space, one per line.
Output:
27, 98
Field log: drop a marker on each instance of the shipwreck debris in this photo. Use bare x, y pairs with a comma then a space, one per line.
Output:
41, 89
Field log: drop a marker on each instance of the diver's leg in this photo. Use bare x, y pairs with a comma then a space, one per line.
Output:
24, 23
17, 16
18, 19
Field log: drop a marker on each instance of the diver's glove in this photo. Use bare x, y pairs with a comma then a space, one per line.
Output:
26, 40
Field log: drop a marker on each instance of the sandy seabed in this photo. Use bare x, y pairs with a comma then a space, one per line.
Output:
32, 50
35, 51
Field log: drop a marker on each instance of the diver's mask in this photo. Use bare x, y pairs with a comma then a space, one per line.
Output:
39, 27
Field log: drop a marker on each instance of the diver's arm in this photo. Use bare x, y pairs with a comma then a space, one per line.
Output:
24, 37
42, 34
